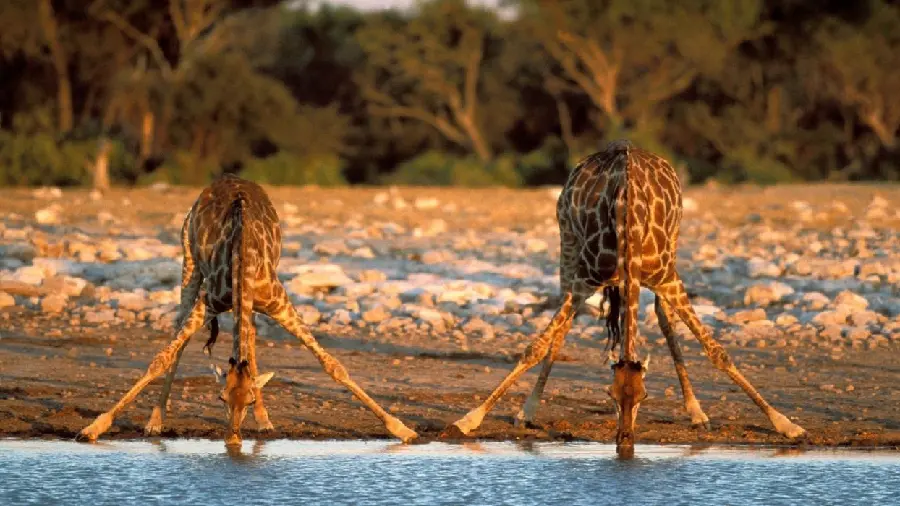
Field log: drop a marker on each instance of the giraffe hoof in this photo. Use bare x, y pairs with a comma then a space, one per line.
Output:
787, 427
151, 430
266, 428
85, 437
703, 424
400, 431
93, 431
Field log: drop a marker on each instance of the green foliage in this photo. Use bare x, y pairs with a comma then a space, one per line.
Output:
435, 168
446, 92
284, 168
41, 159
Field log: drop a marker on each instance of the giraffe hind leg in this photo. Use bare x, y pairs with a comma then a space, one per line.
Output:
666, 317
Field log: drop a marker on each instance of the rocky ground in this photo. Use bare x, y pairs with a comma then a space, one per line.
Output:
428, 296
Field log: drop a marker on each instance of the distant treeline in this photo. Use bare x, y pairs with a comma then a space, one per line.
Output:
132, 91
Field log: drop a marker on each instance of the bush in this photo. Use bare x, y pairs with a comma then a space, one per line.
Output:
183, 168
285, 168
40, 159
435, 168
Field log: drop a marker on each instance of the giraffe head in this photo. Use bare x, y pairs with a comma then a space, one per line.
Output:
627, 391
238, 394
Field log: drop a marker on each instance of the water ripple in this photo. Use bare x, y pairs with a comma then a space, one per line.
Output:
348, 472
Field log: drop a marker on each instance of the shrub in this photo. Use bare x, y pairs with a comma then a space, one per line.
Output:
284, 168
41, 159
435, 168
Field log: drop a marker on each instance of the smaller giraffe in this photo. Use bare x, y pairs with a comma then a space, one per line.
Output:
232, 244
619, 215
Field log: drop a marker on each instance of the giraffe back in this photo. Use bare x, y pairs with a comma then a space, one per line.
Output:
591, 212
209, 229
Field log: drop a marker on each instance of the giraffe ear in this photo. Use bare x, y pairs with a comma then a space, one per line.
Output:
262, 379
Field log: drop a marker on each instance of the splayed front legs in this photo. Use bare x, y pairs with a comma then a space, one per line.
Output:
536, 351
282, 311
160, 364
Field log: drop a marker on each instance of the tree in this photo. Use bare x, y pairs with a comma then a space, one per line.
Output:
859, 67
429, 69
631, 56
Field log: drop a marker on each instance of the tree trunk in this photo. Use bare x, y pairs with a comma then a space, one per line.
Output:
147, 125
565, 124
882, 131
479, 144
101, 165
60, 64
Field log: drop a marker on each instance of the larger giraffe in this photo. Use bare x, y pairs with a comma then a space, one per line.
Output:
619, 215
232, 245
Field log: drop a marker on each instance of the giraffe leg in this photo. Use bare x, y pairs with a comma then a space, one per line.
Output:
282, 311
675, 295
538, 349
259, 409
155, 425
526, 415
666, 317
163, 361
191, 281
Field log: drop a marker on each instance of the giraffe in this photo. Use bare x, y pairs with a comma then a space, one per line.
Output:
619, 215
231, 238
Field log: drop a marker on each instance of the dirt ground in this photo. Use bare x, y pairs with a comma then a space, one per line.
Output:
55, 378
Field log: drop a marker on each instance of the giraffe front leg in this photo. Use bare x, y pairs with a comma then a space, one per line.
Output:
282, 311
676, 296
260, 414
666, 318
538, 349
155, 424
160, 364
191, 281
526, 414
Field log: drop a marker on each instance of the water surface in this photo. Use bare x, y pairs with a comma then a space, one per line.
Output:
376, 472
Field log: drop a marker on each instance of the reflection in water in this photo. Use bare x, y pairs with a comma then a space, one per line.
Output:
383, 472
236, 452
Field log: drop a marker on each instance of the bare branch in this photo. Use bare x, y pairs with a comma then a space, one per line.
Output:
149, 43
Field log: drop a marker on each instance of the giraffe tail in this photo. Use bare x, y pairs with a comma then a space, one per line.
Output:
241, 276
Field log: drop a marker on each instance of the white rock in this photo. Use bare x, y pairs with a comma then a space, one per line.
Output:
104, 316
381, 198
54, 303
815, 300
6, 300
689, 205
317, 277
480, 327
767, 293
47, 216
30, 274
851, 301
533, 245
132, 301
423, 203
757, 267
